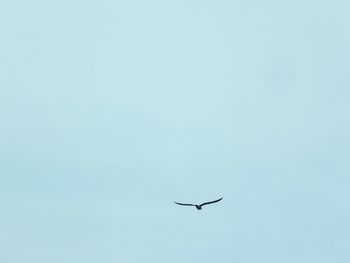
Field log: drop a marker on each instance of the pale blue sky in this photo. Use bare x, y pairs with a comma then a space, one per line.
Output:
112, 110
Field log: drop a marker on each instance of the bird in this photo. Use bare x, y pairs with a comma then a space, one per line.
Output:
199, 207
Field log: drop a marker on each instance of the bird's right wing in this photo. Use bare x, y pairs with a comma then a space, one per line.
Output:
184, 204
212, 202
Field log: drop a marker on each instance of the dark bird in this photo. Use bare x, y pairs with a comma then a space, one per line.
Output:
199, 207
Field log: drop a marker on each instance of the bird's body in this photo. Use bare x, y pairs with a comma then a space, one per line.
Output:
199, 207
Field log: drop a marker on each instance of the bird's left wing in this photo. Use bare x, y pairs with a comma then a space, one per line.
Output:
211, 202
184, 204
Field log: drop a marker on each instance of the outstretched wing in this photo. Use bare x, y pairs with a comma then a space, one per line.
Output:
211, 202
184, 204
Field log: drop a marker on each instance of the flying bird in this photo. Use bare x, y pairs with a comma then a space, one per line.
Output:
199, 207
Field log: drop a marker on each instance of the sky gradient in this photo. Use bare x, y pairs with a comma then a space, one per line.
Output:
112, 110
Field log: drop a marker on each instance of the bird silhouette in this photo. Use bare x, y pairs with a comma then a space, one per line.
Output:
199, 207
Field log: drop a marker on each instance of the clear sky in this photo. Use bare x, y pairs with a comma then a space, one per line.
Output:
112, 110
